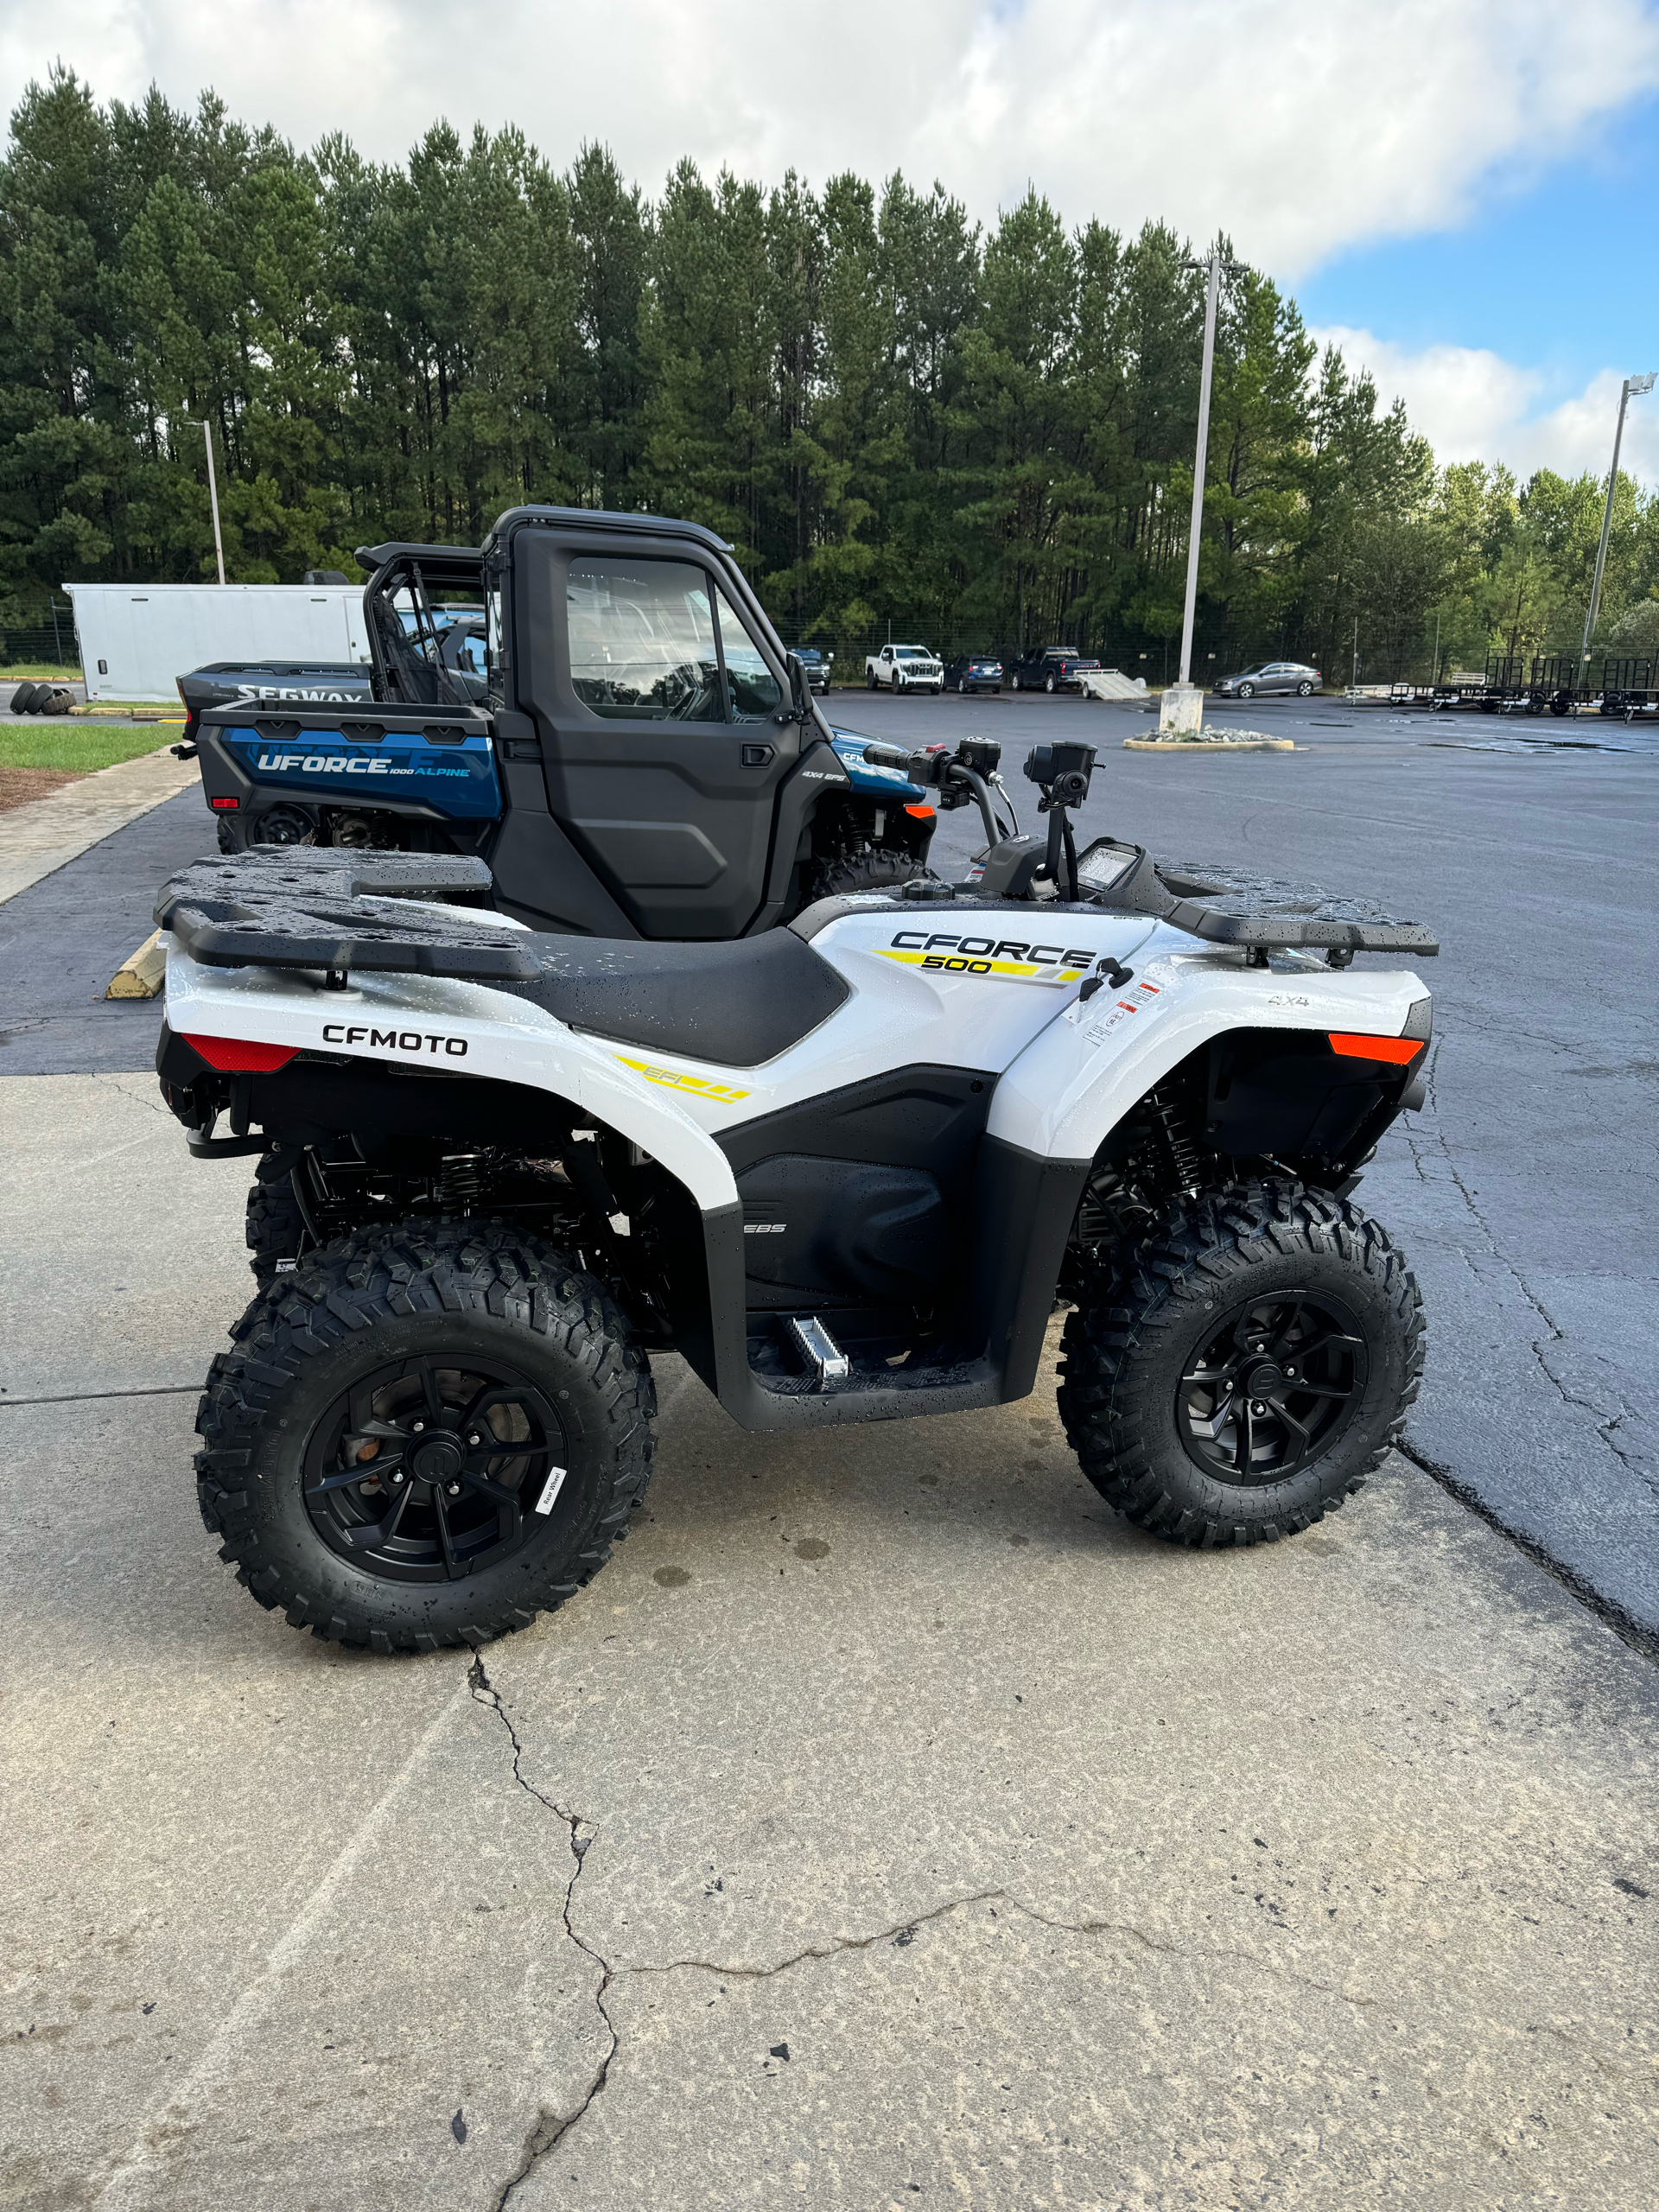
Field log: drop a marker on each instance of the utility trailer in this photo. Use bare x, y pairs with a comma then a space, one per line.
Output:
138, 640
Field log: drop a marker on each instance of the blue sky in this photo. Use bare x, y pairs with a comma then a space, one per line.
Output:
1559, 272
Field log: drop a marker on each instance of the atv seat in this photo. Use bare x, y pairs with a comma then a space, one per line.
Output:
735, 1003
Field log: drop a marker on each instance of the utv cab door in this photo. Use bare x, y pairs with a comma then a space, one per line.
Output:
657, 710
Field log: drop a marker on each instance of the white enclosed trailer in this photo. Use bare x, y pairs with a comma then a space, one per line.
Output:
138, 640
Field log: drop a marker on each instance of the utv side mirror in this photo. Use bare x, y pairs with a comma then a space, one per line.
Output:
800, 693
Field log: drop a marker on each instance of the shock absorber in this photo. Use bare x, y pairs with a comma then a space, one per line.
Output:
1182, 1152
459, 1182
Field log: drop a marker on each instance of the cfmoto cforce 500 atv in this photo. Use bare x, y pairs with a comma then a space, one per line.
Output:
847, 1169
619, 733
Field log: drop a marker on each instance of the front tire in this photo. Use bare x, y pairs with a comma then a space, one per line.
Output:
880, 869
1242, 1370
1246, 691
424, 1437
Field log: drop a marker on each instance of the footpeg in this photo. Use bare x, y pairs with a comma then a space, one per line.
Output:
819, 1350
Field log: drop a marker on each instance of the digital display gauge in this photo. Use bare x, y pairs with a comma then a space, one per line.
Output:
1103, 863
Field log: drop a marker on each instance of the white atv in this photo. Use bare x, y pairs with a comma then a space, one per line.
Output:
847, 1170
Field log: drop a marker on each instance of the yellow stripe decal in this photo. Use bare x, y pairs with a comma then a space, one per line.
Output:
721, 1094
951, 964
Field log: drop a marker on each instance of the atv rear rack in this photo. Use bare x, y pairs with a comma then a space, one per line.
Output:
295, 908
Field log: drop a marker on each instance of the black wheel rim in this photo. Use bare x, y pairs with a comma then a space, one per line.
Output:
1271, 1387
426, 1470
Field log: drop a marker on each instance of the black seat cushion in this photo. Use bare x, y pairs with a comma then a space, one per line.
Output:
735, 1003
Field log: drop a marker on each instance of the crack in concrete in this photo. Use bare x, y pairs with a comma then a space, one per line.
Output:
550, 2127
903, 1929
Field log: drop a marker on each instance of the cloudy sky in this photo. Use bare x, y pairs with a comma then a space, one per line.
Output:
1461, 192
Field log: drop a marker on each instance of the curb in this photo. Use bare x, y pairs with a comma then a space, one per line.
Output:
46, 834
1209, 744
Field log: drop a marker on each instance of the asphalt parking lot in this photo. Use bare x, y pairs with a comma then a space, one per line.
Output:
884, 1826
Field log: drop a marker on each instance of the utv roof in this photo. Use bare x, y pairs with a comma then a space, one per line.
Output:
605, 518
440, 564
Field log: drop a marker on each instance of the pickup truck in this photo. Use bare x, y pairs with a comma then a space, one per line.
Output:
1056, 668
611, 722
904, 668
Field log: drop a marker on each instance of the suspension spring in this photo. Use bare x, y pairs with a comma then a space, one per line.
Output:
1182, 1152
459, 1182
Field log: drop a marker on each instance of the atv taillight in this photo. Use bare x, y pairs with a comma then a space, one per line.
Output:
1354, 1047
239, 1055
224, 805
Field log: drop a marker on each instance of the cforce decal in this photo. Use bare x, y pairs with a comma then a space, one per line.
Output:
1006, 959
721, 1094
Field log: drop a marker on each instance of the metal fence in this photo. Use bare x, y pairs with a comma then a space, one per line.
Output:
52, 642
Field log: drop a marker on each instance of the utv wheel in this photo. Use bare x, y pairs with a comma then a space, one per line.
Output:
876, 871
424, 1437
1240, 1371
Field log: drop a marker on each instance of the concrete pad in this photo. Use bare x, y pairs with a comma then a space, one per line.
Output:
125, 1259
38, 839
1064, 1867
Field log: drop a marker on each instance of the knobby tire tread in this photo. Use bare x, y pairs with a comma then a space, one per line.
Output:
1208, 1242
375, 1276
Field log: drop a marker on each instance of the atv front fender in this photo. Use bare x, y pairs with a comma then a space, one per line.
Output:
1072, 1086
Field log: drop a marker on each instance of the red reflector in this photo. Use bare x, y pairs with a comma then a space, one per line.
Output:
237, 1056
1397, 1049
921, 813
223, 806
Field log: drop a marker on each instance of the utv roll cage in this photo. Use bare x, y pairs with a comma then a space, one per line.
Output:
408, 670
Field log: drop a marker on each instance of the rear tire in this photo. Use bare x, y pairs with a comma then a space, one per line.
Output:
1304, 691
391, 1339
1175, 1453
276, 1234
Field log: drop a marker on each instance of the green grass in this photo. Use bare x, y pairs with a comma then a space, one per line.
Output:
38, 671
77, 747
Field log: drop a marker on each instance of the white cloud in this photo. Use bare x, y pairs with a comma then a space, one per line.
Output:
1473, 405
1301, 128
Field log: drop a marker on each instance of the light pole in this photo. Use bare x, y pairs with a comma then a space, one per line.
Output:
213, 487
1633, 388
1186, 713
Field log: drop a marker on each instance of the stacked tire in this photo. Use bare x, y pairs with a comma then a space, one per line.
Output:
41, 699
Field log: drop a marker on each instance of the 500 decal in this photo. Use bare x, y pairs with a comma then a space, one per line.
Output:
394, 1040
1009, 959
